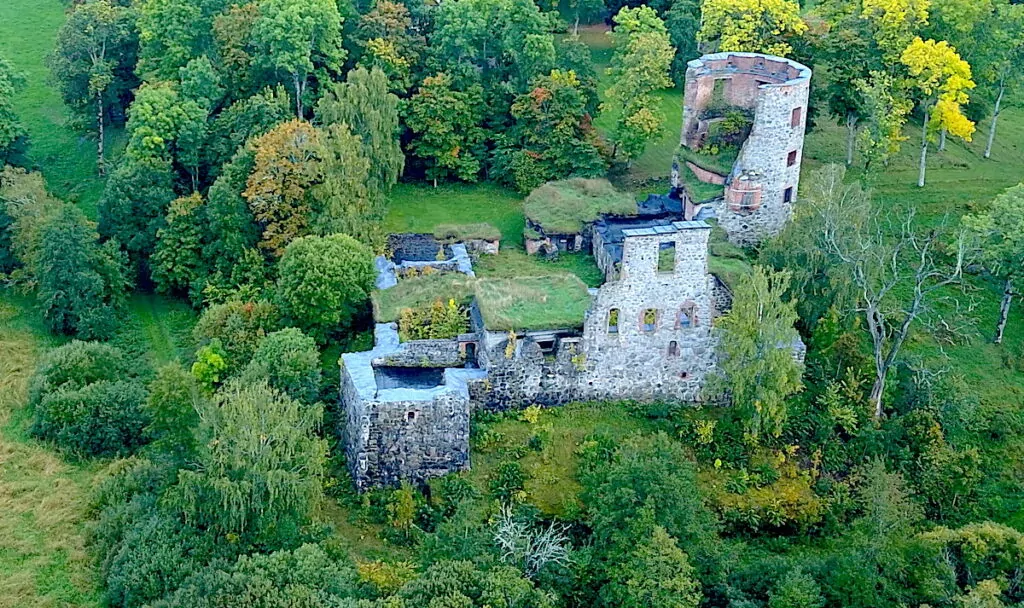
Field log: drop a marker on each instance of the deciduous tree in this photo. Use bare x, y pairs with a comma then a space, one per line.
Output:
81, 286
552, 137
446, 125
755, 26
998, 234
943, 80
370, 111
300, 38
93, 62
11, 129
640, 66
177, 263
259, 466
895, 269
285, 166
656, 573
324, 282
756, 362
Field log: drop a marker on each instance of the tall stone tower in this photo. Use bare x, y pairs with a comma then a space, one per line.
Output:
762, 186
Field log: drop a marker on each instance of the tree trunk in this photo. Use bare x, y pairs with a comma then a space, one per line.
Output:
299, 90
876, 394
851, 136
942, 140
1004, 310
576, 26
995, 117
100, 164
924, 152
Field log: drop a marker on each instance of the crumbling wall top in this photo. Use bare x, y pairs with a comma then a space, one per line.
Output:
778, 71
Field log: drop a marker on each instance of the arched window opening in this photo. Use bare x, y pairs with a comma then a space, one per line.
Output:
613, 321
649, 320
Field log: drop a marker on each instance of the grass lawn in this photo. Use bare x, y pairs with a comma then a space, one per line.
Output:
66, 157
563, 207
420, 292
421, 208
43, 499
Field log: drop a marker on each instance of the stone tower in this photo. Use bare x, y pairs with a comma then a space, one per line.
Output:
648, 333
762, 186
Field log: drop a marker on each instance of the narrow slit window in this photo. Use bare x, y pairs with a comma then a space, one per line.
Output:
794, 120
667, 257
791, 159
787, 195
613, 321
673, 349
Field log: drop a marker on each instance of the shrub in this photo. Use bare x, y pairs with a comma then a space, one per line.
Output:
440, 321
289, 361
508, 480
100, 419
307, 576
156, 555
76, 364
239, 326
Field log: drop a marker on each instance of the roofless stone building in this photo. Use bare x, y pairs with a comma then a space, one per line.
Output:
762, 186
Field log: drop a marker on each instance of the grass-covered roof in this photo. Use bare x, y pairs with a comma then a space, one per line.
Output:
563, 207
533, 303
420, 292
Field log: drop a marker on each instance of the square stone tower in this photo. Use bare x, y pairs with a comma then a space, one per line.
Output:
648, 333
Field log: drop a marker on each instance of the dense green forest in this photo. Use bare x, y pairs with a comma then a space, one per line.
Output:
192, 193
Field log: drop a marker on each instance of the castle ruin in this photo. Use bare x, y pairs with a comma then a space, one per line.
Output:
762, 185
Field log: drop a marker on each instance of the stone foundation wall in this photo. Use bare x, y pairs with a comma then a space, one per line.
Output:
390, 441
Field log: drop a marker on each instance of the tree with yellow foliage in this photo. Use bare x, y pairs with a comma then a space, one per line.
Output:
756, 26
895, 23
943, 80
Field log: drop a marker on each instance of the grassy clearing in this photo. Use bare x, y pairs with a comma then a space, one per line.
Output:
43, 500
66, 157
536, 303
565, 206
421, 208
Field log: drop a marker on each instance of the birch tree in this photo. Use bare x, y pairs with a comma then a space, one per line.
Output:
998, 234
943, 79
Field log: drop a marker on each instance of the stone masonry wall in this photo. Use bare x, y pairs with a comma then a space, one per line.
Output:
388, 441
525, 376
670, 360
425, 353
773, 87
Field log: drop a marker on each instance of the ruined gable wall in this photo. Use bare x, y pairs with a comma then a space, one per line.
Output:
632, 363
